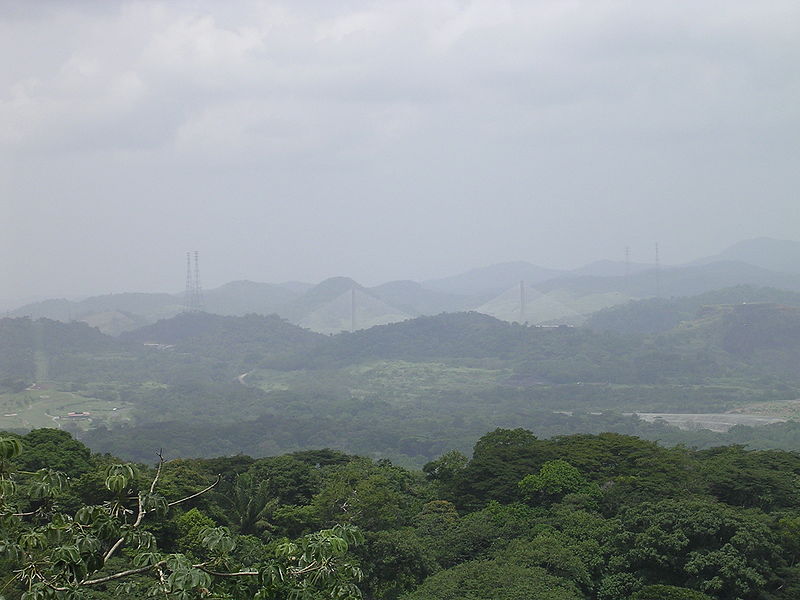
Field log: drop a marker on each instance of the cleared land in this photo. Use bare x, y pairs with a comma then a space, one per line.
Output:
783, 409
50, 408
392, 380
712, 421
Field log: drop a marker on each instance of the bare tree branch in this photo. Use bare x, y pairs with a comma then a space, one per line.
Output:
307, 569
122, 574
203, 491
221, 574
113, 549
141, 512
158, 471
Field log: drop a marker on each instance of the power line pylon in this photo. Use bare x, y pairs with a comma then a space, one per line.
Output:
193, 296
199, 305
188, 295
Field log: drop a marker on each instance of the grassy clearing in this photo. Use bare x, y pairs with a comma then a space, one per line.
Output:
404, 383
397, 381
410, 381
277, 381
49, 408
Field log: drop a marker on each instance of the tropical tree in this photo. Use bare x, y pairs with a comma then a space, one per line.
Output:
249, 501
703, 545
495, 580
556, 479
50, 553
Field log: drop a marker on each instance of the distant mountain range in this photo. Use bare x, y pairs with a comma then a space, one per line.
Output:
678, 281
494, 279
514, 291
782, 256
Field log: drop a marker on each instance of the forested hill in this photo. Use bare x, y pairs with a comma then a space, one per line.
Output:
658, 315
765, 336
405, 390
702, 349
16, 348
56, 335
724, 341
448, 335
220, 336
23, 342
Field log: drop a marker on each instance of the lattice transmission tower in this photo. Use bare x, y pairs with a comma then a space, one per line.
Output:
193, 297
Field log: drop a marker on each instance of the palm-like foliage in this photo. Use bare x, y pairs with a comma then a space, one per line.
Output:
249, 501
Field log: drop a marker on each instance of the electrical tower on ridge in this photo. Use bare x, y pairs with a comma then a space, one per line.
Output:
193, 296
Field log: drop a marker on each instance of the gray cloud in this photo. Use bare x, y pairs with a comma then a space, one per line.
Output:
386, 139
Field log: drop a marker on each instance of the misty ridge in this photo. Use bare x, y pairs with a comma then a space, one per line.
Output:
668, 389
289, 306
515, 292
703, 353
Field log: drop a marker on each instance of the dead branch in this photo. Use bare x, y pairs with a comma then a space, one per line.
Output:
203, 491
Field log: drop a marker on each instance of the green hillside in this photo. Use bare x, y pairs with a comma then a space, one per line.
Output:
228, 337
407, 390
657, 315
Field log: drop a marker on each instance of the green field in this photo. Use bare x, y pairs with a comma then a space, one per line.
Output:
48, 407
392, 380
412, 380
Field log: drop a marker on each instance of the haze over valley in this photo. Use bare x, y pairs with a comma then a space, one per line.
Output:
407, 369
380, 300
517, 291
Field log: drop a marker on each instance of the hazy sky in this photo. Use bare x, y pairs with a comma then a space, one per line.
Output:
386, 140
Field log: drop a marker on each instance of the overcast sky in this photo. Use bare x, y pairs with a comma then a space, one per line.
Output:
386, 140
